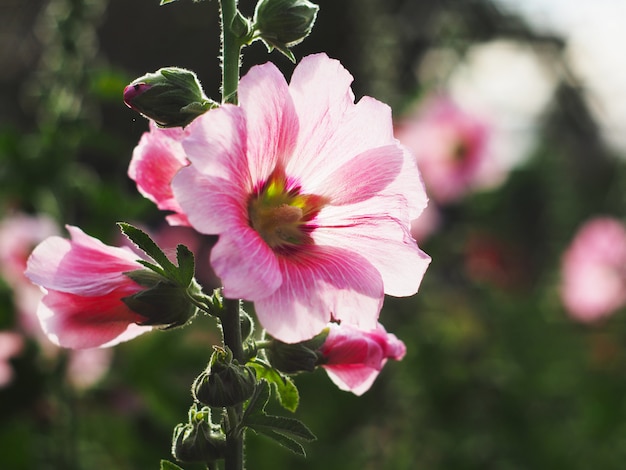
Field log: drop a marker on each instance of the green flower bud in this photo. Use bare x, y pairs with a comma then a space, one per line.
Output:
282, 24
171, 96
225, 382
163, 302
297, 357
195, 441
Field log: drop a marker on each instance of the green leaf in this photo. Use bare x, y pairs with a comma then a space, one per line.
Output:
153, 267
285, 387
258, 400
287, 442
166, 464
165, 2
289, 427
186, 265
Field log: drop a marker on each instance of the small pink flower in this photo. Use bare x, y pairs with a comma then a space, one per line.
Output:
451, 148
311, 196
593, 270
354, 358
156, 159
84, 285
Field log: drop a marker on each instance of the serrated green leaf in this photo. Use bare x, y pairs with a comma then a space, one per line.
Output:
147, 245
289, 427
165, 2
186, 265
285, 441
285, 387
166, 464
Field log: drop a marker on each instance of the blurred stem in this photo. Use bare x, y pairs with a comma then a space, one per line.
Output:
231, 50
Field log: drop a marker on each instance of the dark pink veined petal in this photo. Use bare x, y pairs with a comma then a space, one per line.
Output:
272, 124
79, 322
319, 284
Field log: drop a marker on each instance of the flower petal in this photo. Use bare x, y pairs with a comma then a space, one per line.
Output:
78, 322
272, 123
352, 377
247, 267
319, 284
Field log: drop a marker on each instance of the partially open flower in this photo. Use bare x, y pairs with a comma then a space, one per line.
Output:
353, 358
84, 282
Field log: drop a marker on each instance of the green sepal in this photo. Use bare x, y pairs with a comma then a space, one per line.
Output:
285, 388
181, 274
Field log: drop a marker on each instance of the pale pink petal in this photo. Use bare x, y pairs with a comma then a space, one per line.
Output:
86, 367
322, 283
363, 176
247, 267
78, 322
156, 159
272, 124
216, 146
383, 240
352, 378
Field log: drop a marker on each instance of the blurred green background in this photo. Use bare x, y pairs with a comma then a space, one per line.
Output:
497, 375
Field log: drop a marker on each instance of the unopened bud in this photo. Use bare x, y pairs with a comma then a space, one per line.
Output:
171, 97
195, 441
282, 24
225, 382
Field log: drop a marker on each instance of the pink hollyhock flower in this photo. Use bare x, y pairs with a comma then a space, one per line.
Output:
593, 270
156, 159
311, 196
451, 148
353, 358
84, 283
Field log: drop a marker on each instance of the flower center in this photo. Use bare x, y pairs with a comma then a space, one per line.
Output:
280, 214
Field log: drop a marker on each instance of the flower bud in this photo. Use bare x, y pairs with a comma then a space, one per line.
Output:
282, 24
171, 96
163, 302
225, 382
297, 357
195, 441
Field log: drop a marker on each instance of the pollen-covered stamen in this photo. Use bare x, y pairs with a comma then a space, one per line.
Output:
280, 214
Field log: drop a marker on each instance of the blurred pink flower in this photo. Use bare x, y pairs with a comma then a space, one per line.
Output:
11, 345
87, 367
593, 270
156, 159
19, 234
451, 148
311, 197
84, 283
353, 358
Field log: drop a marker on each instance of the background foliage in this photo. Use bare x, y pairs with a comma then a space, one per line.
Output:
497, 376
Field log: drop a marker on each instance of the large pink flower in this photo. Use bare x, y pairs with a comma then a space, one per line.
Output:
156, 159
311, 196
451, 147
354, 358
84, 285
593, 270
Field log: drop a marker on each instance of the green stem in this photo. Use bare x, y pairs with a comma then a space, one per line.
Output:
231, 326
231, 329
231, 52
